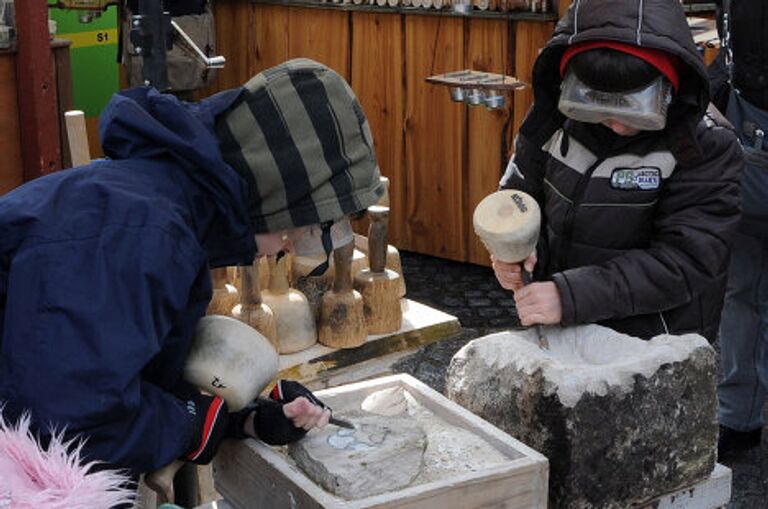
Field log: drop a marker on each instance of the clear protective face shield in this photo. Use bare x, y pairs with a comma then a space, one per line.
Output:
644, 109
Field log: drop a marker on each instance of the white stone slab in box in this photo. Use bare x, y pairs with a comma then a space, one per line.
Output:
508, 475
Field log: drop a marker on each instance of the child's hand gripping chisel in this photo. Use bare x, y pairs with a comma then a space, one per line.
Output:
286, 391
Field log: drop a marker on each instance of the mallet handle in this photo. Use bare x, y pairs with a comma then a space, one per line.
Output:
377, 237
342, 262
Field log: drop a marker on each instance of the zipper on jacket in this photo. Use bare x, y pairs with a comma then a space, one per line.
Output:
663, 322
570, 216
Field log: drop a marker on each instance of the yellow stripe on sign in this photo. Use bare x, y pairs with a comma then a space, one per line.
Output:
93, 38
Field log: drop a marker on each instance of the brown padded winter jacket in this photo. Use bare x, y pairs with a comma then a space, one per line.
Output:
636, 230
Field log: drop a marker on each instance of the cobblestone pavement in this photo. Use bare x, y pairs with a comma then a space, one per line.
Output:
471, 293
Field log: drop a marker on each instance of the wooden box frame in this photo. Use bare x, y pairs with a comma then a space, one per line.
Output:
250, 474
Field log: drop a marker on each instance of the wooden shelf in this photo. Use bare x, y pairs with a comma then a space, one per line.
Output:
444, 12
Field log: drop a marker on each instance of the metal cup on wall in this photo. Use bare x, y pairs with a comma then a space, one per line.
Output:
474, 88
458, 94
475, 97
493, 100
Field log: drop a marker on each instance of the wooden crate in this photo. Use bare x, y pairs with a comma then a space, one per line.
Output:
250, 474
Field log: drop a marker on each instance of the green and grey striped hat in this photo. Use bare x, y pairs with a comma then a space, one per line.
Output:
300, 138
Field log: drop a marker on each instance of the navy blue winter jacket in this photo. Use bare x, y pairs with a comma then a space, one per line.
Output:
104, 274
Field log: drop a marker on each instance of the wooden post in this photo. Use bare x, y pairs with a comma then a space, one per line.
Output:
37, 91
11, 169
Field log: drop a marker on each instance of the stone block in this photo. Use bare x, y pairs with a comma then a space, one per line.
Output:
621, 420
381, 454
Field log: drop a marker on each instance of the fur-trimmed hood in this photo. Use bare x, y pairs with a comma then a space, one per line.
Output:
32, 477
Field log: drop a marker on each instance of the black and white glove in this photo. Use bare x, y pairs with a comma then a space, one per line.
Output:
270, 423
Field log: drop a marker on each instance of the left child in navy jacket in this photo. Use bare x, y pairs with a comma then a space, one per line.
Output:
104, 269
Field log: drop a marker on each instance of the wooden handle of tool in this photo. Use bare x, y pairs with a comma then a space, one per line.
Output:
377, 237
384, 200
342, 262
77, 136
249, 275
278, 275
161, 482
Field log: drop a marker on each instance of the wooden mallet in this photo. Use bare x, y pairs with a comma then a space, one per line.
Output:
508, 223
228, 359
296, 328
225, 296
378, 285
252, 309
342, 318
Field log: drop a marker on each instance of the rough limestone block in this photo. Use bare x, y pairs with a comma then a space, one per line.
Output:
381, 454
621, 420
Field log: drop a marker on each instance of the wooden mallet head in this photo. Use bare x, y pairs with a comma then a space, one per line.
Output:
508, 223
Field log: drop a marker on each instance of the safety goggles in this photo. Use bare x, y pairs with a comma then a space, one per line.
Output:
644, 109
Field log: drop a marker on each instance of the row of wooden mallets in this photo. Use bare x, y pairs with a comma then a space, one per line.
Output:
358, 295
463, 5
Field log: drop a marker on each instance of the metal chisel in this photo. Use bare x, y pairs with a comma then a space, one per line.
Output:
342, 423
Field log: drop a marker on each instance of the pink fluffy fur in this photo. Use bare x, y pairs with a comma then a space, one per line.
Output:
31, 477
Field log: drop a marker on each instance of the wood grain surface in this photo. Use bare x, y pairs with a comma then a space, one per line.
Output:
434, 138
321, 35
378, 37
11, 173
488, 49
530, 36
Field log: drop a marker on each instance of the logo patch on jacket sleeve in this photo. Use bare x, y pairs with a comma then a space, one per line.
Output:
644, 178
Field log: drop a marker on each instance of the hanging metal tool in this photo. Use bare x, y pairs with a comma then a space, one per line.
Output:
185, 42
152, 36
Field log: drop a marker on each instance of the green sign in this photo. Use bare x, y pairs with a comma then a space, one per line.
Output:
95, 71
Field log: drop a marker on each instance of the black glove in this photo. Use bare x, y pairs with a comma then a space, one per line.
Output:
286, 391
212, 423
269, 421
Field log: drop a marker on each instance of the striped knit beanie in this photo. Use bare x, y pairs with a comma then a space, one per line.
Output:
299, 137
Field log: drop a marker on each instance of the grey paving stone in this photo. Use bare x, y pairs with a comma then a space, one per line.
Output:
479, 303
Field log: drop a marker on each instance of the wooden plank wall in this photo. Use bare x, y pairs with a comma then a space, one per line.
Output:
322, 35
434, 139
441, 157
379, 38
530, 36
488, 49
